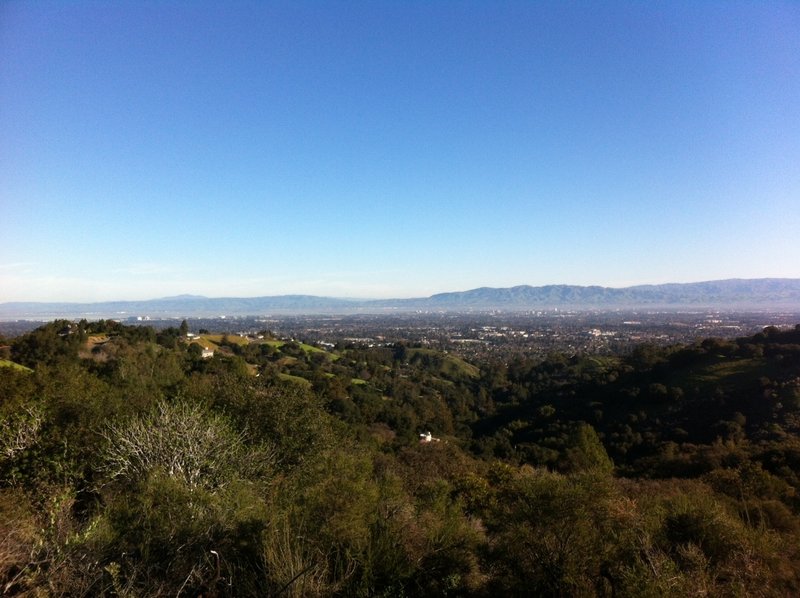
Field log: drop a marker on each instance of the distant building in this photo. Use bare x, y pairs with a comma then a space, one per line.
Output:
426, 437
207, 353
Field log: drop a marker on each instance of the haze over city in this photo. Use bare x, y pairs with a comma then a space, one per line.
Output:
394, 150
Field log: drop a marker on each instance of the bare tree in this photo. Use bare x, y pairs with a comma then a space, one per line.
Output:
184, 441
20, 432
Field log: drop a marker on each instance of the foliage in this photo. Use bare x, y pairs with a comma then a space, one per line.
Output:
131, 466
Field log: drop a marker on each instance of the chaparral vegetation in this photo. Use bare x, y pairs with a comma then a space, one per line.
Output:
136, 462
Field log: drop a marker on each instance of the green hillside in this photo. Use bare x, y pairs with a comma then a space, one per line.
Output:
5, 363
129, 464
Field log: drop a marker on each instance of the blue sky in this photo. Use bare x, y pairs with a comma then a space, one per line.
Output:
394, 149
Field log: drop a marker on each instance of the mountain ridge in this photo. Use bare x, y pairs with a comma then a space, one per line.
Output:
727, 293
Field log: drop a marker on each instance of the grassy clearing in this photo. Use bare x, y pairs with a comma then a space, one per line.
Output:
306, 348
457, 365
303, 346
205, 341
451, 366
311, 348
5, 363
214, 341
729, 373
232, 338
295, 380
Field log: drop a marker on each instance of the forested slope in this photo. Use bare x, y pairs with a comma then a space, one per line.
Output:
130, 465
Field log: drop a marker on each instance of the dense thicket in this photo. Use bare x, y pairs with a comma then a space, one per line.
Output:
131, 465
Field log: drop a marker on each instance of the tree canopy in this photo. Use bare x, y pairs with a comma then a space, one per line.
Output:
131, 465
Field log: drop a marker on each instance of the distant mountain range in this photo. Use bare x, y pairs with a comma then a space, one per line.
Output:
765, 293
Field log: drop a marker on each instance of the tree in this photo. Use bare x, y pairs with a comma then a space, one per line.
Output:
585, 452
550, 534
186, 442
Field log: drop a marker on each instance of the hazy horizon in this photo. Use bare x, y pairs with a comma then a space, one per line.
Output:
364, 150
397, 297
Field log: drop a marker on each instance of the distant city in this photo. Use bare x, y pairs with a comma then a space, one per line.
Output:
738, 294
479, 324
485, 335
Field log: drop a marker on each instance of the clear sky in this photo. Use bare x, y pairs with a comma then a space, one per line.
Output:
394, 149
